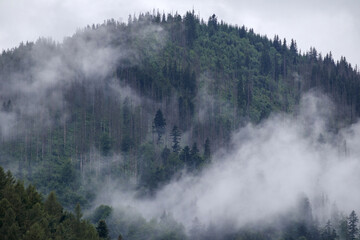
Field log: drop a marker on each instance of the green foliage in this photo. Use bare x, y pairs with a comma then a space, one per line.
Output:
78, 214
52, 206
62, 176
102, 229
101, 212
176, 137
36, 232
328, 232
352, 226
207, 151
159, 125
129, 224
207, 77
106, 144
23, 215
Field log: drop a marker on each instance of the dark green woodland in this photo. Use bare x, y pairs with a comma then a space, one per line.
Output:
138, 103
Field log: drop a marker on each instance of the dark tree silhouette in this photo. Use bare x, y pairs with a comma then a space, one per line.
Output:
159, 125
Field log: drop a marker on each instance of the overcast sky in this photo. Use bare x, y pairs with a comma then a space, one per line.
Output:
328, 25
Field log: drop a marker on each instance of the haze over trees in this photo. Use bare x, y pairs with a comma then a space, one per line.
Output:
139, 103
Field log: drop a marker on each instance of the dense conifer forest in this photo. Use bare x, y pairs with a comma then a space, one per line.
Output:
136, 105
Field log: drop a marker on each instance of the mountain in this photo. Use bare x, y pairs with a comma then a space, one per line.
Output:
133, 105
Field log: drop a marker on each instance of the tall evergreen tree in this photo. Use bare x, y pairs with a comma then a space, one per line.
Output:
52, 206
352, 226
159, 125
190, 28
106, 144
293, 51
265, 62
212, 24
241, 101
176, 137
35, 232
185, 155
165, 154
207, 151
293, 47
102, 229
343, 229
196, 160
328, 233
78, 214
277, 43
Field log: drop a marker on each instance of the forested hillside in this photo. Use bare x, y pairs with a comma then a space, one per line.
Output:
136, 103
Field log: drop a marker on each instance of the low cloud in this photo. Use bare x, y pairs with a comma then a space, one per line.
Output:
33, 91
270, 166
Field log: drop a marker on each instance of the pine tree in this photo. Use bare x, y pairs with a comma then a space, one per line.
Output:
343, 228
52, 206
159, 125
190, 28
293, 50
328, 233
7, 220
293, 47
305, 211
185, 155
196, 160
207, 152
102, 229
36, 232
241, 95
106, 143
352, 226
212, 24
78, 214
165, 154
176, 136
277, 43
265, 62
78, 224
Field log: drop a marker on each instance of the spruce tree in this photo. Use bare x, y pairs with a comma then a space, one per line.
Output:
35, 232
102, 229
176, 136
185, 155
190, 28
328, 233
78, 214
352, 226
196, 160
159, 125
265, 62
207, 151
52, 206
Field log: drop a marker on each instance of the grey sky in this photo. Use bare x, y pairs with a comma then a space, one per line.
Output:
328, 25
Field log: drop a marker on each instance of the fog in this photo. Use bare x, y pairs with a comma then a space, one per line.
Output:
270, 167
35, 91
208, 104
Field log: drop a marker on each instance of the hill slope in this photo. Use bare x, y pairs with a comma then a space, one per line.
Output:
138, 102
